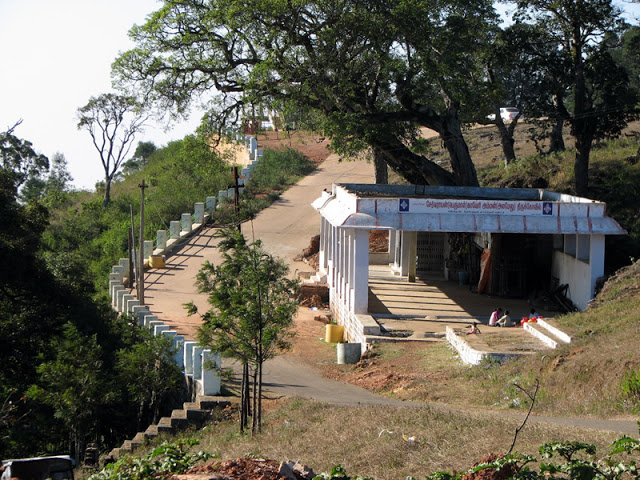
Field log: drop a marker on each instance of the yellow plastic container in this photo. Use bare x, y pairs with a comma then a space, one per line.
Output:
334, 333
156, 261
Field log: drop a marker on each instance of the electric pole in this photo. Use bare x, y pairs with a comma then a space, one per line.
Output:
141, 254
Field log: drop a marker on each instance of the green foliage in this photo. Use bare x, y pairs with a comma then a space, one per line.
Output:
168, 458
149, 372
630, 386
18, 158
278, 169
339, 473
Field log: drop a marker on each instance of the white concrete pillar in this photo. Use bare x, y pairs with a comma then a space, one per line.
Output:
130, 304
361, 271
148, 249
197, 362
114, 294
185, 223
322, 254
344, 248
123, 301
409, 252
231, 193
119, 298
118, 270
331, 261
596, 260
174, 229
139, 311
258, 153
147, 319
124, 264
210, 376
153, 323
210, 204
178, 344
348, 268
198, 213
222, 194
161, 239
158, 329
413, 255
392, 246
188, 347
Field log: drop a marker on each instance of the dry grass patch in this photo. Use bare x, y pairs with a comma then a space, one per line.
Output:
369, 440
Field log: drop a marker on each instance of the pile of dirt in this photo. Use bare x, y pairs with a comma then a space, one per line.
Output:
505, 472
379, 241
248, 469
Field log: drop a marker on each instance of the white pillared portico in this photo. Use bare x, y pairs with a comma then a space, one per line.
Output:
562, 237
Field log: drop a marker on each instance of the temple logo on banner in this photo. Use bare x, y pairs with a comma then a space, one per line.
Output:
403, 205
547, 208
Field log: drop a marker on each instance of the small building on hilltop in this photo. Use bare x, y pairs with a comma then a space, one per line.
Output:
504, 242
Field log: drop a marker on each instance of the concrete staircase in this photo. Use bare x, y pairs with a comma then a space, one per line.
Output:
192, 414
546, 333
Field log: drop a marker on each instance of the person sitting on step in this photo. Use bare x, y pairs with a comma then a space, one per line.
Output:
505, 320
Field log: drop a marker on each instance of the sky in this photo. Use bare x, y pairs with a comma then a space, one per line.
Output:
56, 54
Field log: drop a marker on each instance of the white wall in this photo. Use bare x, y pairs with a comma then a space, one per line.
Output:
580, 275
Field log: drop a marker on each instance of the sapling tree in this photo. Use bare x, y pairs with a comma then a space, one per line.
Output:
252, 312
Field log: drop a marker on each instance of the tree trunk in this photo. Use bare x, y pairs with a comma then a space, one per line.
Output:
254, 420
382, 172
557, 140
259, 411
414, 168
243, 397
506, 140
464, 171
581, 166
107, 191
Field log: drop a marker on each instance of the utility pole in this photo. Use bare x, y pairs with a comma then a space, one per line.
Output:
141, 254
236, 194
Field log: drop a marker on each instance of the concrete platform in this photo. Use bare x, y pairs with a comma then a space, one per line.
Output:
421, 311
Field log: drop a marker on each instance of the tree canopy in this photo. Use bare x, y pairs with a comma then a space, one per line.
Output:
374, 71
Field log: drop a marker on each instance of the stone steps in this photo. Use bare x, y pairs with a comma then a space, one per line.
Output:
547, 334
192, 414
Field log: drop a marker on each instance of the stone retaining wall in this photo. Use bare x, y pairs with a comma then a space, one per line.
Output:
200, 365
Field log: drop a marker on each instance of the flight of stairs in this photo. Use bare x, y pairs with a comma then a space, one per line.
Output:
192, 414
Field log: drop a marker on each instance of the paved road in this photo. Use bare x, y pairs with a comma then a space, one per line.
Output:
285, 229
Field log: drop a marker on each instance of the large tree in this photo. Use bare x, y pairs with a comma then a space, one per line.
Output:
374, 71
594, 94
113, 121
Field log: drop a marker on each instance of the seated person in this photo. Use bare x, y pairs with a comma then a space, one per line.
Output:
495, 316
533, 313
473, 329
505, 320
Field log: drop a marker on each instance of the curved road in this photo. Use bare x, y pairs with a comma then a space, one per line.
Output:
285, 229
